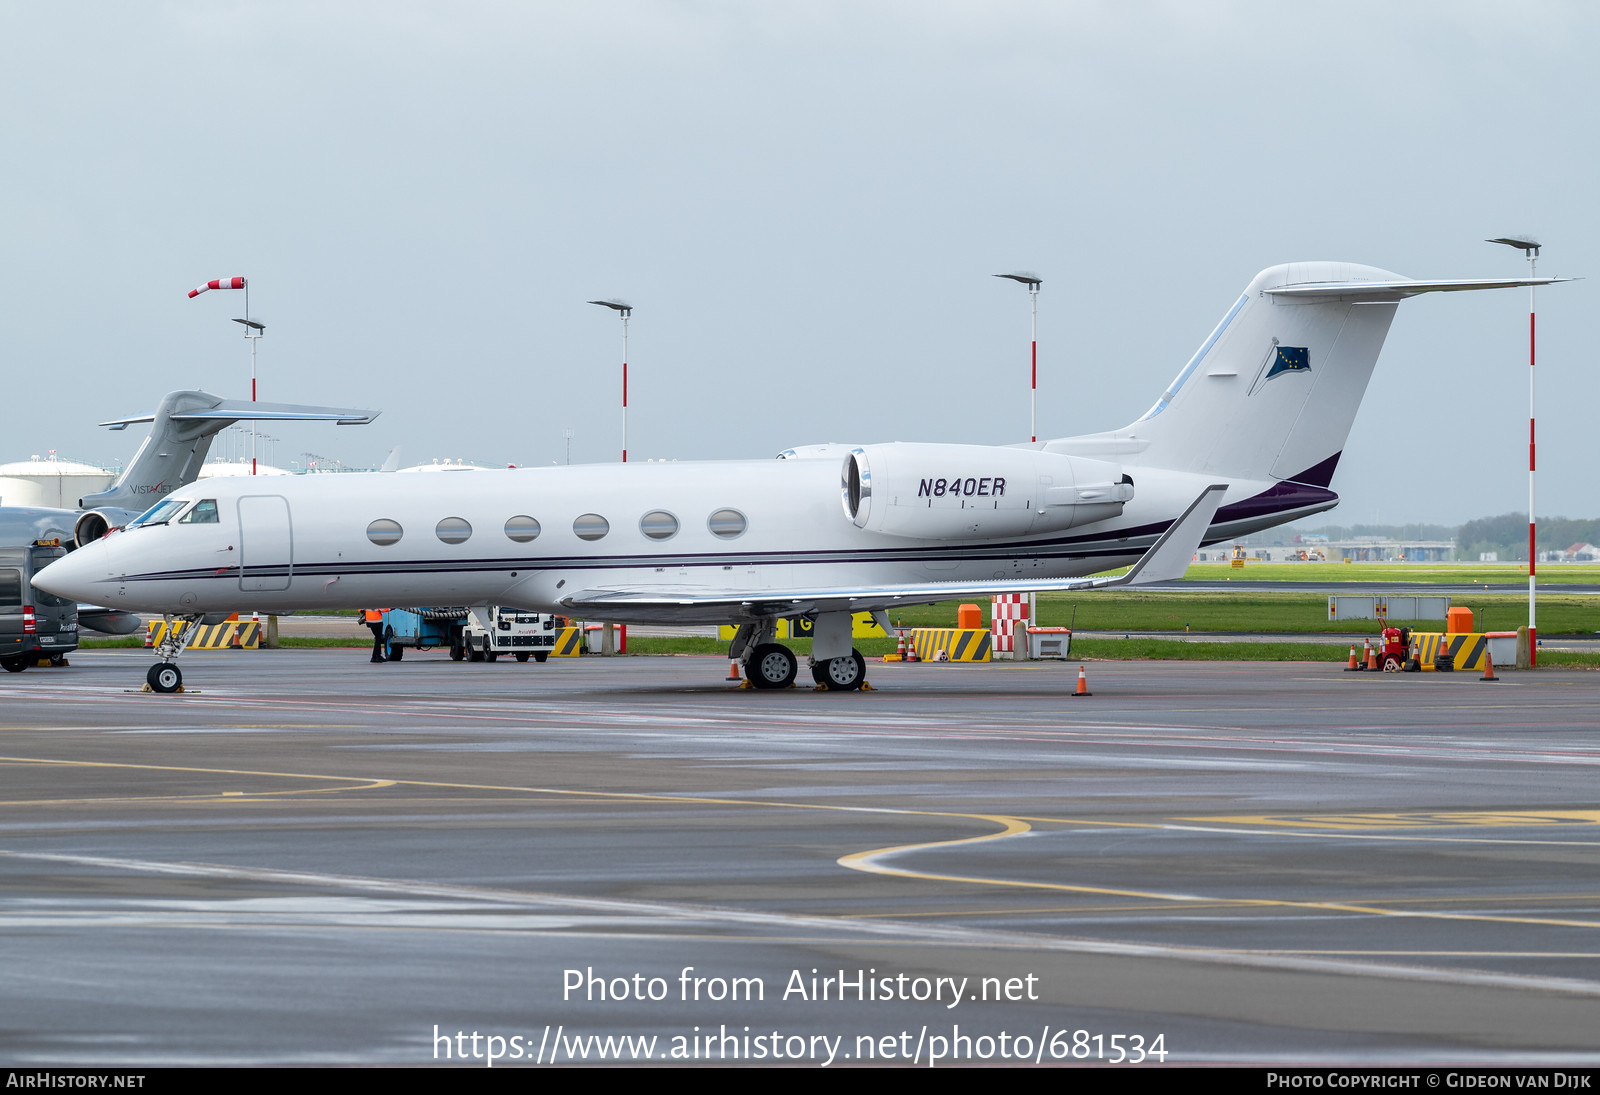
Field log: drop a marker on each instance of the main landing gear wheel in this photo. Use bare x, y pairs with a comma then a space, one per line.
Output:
164, 677
771, 666
844, 674
16, 665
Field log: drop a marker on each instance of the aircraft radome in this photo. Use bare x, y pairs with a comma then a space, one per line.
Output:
1246, 437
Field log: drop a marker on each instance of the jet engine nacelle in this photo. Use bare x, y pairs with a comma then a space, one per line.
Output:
95, 523
976, 492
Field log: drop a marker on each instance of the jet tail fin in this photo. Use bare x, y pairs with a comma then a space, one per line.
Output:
1272, 393
180, 439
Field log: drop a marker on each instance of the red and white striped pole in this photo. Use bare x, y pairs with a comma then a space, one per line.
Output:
1533, 550
1529, 248
1033, 390
625, 313
624, 310
1033, 283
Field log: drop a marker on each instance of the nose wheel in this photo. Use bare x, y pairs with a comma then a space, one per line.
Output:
165, 676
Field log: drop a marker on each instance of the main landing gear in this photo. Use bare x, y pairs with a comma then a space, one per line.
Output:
844, 674
770, 665
165, 676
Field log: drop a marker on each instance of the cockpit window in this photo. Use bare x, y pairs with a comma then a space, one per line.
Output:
204, 513
160, 513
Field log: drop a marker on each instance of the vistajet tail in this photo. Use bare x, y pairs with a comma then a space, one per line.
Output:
1246, 437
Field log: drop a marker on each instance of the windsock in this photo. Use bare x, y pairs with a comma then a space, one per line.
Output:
220, 283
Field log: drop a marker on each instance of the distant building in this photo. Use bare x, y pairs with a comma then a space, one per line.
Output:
1577, 553
1365, 549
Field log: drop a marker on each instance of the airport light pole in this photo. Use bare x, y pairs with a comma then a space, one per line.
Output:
252, 331
1530, 249
624, 310
1032, 282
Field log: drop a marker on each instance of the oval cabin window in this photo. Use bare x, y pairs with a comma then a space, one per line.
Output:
726, 523
453, 530
659, 525
384, 532
591, 526
522, 529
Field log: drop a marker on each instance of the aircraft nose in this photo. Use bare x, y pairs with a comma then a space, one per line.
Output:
77, 576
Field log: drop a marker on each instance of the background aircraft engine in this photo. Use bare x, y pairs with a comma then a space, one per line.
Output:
90, 526
976, 492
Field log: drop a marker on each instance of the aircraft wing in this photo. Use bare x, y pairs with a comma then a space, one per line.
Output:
1167, 559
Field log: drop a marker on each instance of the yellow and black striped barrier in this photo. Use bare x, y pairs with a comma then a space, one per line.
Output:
569, 643
230, 635
957, 644
1465, 648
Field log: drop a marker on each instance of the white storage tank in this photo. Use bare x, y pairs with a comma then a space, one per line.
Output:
51, 482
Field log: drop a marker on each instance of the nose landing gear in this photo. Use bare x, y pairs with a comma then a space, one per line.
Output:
165, 676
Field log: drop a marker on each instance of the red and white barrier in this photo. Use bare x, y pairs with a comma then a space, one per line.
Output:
1005, 611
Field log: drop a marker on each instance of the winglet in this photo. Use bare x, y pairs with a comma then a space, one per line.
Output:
1169, 557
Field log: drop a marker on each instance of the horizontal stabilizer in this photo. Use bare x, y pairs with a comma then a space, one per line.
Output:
1397, 290
241, 410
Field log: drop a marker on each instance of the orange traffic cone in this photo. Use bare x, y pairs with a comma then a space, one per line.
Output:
1372, 656
1083, 684
1353, 666
900, 646
1488, 668
733, 670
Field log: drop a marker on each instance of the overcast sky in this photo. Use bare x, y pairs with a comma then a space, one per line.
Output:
804, 203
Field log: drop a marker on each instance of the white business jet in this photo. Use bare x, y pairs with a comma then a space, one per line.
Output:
1247, 436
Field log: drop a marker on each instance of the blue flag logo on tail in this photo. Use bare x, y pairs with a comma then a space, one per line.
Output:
1291, 359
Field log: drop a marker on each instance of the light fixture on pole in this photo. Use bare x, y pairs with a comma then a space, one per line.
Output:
1530, 248
624, 310
1032, 281
253, 330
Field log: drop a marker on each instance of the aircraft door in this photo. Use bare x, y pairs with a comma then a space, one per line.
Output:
266, 543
